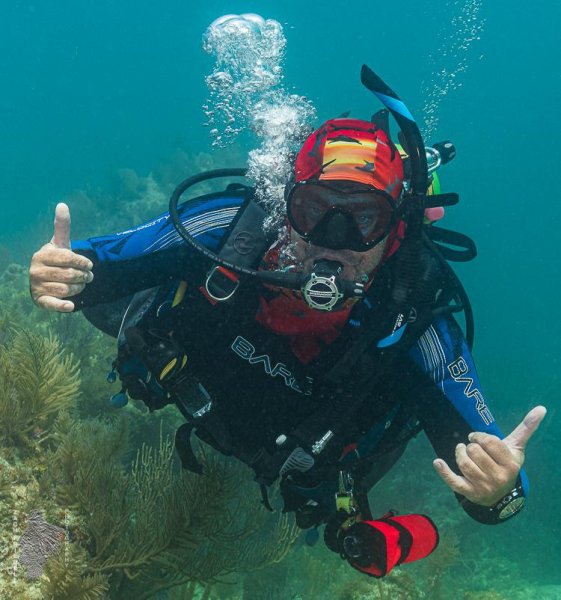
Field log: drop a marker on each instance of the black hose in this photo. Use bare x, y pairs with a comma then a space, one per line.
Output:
462, 294
289, 280
180, 228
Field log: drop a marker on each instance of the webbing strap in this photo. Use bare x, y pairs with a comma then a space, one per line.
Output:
466, 246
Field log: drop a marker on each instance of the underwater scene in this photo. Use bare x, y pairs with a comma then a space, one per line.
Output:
178, 360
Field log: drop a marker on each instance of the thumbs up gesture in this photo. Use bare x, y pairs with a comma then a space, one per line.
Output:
56, 273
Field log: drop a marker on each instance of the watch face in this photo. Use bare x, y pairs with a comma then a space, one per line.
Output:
511, 508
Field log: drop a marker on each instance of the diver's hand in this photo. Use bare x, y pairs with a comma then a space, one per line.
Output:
489, 465
55, 271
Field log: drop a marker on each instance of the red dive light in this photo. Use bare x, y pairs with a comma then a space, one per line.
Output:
376, 547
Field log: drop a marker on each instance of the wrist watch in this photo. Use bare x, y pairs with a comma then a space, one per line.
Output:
509, 504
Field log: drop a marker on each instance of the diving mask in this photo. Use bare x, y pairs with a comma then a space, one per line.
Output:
340, 215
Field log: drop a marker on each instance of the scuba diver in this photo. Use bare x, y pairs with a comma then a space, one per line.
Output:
313, 357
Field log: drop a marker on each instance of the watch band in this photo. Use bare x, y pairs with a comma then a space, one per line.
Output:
509, 504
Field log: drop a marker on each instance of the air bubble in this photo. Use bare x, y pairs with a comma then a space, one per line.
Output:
467, 27
246, 92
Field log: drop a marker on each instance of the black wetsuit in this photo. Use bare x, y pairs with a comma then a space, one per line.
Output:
261, 390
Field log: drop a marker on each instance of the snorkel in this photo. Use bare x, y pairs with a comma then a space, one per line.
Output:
413, 204
324, 288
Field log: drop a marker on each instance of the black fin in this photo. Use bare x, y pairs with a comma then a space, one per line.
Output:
344, 115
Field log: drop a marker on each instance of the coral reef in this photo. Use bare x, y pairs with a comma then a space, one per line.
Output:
39, 541
154, 528
112, 527
66, 577
133, 198
37, 381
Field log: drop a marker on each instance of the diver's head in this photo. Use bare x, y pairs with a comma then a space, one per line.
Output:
341, 204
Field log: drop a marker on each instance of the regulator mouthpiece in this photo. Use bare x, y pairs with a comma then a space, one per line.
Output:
324, 289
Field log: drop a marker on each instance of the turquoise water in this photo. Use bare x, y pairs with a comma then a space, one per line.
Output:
91, 88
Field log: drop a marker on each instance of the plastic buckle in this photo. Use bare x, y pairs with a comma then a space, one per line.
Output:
344, 502
226, 275
344, 499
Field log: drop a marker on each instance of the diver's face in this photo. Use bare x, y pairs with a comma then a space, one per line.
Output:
356, 265
340, 214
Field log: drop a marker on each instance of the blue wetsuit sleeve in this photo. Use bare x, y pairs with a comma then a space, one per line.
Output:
452, 403
154, 253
